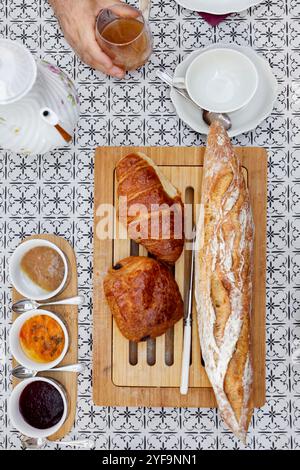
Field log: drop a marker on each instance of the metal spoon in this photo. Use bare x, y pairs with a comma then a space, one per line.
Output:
22, 372
39, 442
26, 305
208, 116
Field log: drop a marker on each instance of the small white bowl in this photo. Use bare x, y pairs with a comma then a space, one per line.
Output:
16, 417
16, 348
220, 80
22, 282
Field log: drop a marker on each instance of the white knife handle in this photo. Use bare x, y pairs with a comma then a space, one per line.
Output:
185, 368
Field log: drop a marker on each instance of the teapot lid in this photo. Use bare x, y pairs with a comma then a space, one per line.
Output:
17, 71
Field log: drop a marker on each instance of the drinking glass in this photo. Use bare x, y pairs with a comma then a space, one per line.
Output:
124, 35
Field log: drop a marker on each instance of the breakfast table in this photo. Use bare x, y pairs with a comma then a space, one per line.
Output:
53, 193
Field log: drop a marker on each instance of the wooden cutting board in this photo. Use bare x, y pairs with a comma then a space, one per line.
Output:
68, 313
148, 374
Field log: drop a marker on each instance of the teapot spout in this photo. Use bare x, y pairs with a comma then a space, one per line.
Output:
51, 118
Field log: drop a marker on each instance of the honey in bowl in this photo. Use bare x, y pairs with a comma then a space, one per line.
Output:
42, 338
44, 266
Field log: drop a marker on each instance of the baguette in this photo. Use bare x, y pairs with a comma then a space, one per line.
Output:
223, 286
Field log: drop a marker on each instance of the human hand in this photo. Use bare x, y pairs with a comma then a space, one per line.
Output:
77, 19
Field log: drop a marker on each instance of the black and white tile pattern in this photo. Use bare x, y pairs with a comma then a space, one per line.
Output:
54, 193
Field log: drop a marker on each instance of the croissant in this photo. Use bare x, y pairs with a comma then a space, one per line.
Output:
223, 286
143, 296
153, 210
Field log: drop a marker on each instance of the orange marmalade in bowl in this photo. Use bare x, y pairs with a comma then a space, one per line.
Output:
42, 338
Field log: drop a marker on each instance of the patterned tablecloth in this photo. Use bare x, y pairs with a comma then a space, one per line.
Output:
54, 193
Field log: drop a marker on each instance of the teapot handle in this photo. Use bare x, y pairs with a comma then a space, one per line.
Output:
50, 117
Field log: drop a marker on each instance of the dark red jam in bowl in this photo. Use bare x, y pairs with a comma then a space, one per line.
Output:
41, 405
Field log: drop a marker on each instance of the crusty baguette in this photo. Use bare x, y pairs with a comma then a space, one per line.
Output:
223, 286
160, 227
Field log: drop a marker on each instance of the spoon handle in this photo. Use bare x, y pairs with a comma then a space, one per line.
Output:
84, 444
70, 368
77, 300
166, 78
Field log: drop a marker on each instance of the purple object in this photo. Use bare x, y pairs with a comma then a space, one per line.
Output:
213, 20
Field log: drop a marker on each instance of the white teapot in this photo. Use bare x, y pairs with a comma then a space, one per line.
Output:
39, 105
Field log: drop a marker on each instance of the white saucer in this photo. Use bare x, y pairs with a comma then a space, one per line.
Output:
218, 7
244, 119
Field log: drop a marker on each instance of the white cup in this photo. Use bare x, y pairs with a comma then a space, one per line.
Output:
22, 283
17, 419
220, 80
17, 350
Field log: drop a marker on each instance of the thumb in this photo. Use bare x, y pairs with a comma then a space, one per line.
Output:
124, 10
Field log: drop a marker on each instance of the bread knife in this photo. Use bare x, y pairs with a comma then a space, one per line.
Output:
187, 335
